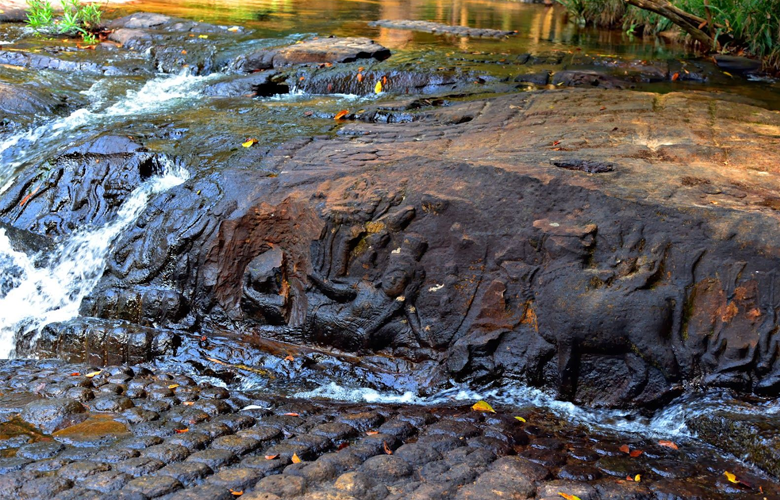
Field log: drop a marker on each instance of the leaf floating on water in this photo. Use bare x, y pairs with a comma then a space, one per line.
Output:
483, 406
341, 114
272, 457
93, 374
569, 497
387, 448
249, 143
520, 419
668, 444
296, 459
378, 87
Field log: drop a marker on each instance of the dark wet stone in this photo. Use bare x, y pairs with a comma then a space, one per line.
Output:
314, 444
584, 165
521, 467
441, 442
187, 416
167, 452
356, 484
668, 489
26, 100
213, 429
81, 494
50, 465
193, 441
588, 78
106, 481
77, 471
335, 431
111, 389
157, 429
137, 416
619, 466
238, 478
115, 454
236, 421
495, 445
156, 406
546, 458
78, 453
584, 454
497, 484
154, 486
282, 485
314, 473
188, 473
264, 465
44, 487
578, 472
622, 490
387, 468
286, 451
452, 428
54, 414
443, 472
397, 428
553, 488
236, 444
417, 454
213, 458
139, 442
363, 421
262, 433
214, 393
139, 466
40, 451
209, 491
674, 468
342, 460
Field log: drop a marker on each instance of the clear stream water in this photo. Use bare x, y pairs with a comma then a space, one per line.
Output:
139, 105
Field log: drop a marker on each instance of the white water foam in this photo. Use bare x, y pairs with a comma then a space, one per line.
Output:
156, 95
42, 295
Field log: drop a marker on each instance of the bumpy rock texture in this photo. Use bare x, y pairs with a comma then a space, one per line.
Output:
154, 434
614, 245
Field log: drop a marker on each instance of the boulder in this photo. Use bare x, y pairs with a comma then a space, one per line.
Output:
315, 51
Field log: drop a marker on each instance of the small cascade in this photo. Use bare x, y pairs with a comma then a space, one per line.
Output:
31, 297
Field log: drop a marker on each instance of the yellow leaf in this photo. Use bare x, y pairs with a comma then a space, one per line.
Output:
731, 477
728, 74
173, 386
483, 406
236, 493
520, 419
295, 459
569, 497
378, 87
233, 29
341, 114
203, 36
249, 143
637, 478
93, 374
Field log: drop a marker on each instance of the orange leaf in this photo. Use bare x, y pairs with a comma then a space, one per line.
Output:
301, 78
181, 431
289, 358
271, 457
483, 406
184, 52
635, 453
27, 198
341, 114
360, 69
569, 497
188, 403
668, 444
372, 433
625, 449
387, 448
236, 493
75, 374
360, 77
328, 65
675, 77
629, 478
555, 143
291, 414
343, 445
384, 80
296, 459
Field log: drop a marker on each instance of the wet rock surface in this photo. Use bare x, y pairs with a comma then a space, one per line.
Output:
371, 450
439, 28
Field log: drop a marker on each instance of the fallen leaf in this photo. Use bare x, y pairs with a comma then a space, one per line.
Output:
668, 444
188, 403
483, 406
173, 386
378, 87
675, 77
372, 433
249, 143
289, 358
291, 414
93, 374
387, 448
635, 453
75, 374
236, 493
27, 198
181, 431
520, 419
731, 477
203, 36
343, 445
728, 74
637, 478
184, 52
301, 78
360, 77
341, 114
272, 457
360, 69
328, 65
212, 359
625, 449
308, 113
555, 143
384, 81
296, 459
233, 29
569, 497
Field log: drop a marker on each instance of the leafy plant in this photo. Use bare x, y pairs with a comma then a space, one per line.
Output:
77, 19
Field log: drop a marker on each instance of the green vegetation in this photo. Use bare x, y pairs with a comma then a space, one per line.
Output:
77, 19
734, 26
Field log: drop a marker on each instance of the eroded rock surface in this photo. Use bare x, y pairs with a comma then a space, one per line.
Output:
439, 28
480, 255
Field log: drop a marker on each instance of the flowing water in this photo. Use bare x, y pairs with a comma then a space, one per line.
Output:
144, 106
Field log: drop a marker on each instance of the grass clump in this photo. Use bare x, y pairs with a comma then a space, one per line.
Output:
77, 19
